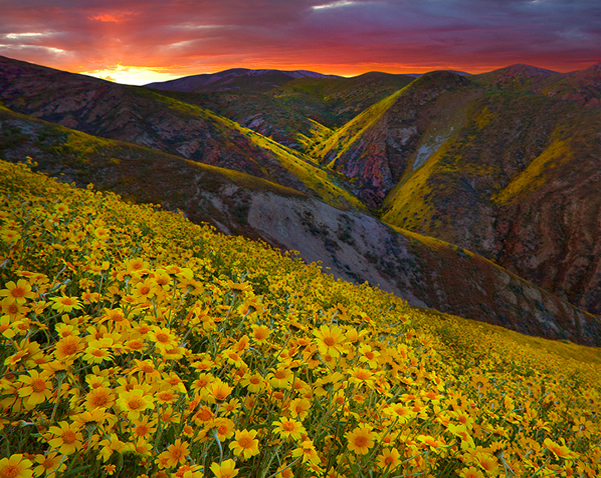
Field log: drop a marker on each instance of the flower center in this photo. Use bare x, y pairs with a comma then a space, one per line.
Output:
360, 441
245, 442
18, 292
10, 471
162, 337
177, 453
69, 348
38, 385
288, 426
329, 341
69, 437
99, 400
134, 403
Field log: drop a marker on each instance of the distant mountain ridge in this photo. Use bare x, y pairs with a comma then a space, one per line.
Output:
413, 183
234, 79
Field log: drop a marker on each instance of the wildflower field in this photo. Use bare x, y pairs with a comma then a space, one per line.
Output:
135, 343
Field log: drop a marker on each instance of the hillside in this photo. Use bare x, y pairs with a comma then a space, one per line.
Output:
512, 176
149, 119
297, 112
236, 79
137, 342
353, 245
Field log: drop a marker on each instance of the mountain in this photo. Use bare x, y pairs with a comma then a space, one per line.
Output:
504, 164
236, 79
374, 149
301, 111
148, 119
510, 172
474, 195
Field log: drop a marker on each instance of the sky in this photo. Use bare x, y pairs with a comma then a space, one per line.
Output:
140, 41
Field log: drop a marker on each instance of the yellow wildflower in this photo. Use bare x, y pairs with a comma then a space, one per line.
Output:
361, 439
37, 388
134, 403
18, 292
15, 466
227, 469
245, 444
289, 428
66, 438
560, 451
330, 340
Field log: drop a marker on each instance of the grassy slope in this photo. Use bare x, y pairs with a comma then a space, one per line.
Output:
484, 152
302, 112
517, 135
535, 174
334, 102
115, 165
344, 137
313, 177
445, 397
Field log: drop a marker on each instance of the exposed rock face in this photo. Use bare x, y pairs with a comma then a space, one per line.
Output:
554, 235
424, 271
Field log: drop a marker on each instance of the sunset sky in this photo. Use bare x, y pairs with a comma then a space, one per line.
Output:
139, 41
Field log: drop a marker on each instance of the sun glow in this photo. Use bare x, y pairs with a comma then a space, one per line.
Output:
130, 75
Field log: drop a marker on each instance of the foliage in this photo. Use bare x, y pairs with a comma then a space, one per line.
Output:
135, 343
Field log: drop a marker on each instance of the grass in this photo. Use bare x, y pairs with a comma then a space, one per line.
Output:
342, 138
535, 174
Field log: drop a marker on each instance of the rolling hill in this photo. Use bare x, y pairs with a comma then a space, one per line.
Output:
143, 117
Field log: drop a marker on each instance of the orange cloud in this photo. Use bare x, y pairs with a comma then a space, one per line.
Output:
111, 18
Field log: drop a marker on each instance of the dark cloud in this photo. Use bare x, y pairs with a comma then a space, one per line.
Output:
344, 36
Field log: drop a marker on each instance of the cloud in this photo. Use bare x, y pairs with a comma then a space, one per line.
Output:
340, 36
338, 4
18, 36
112, 18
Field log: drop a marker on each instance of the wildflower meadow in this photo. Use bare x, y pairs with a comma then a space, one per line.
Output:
137, 344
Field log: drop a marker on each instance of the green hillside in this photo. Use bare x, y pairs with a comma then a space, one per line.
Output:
313, 177
136, 172
137, 343
343, 138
